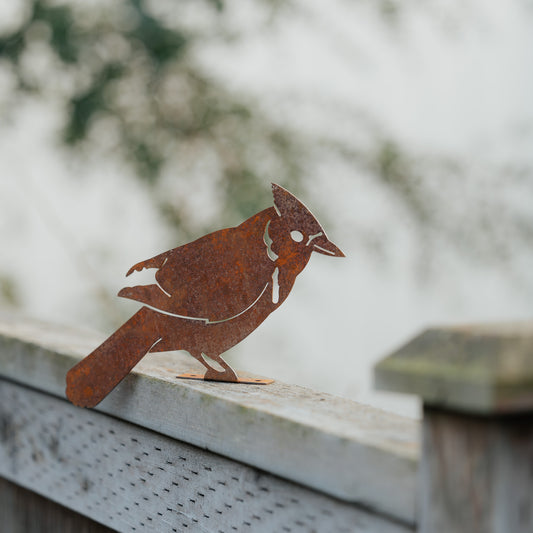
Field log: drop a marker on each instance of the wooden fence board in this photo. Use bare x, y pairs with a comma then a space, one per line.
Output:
335, 446
132, 479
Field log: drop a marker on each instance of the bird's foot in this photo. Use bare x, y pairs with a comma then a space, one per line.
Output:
217, 375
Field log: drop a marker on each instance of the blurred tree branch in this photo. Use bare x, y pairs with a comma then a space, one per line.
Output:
129, 85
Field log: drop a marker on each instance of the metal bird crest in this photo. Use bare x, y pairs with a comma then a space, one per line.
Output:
209, 295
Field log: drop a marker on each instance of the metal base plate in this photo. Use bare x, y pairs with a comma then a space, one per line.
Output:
247, 381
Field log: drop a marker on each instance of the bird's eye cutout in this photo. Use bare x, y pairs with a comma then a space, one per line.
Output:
297, 236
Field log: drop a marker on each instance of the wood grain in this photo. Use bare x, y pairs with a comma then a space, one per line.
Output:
476, 474
24, 511
132, 479
335, 446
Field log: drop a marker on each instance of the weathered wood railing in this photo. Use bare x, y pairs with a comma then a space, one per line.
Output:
476, 462
164, 454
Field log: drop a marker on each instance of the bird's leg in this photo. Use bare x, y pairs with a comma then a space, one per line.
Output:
228, 374
212, 374
199, 356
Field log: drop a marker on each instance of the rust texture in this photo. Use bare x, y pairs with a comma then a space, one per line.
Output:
208, 296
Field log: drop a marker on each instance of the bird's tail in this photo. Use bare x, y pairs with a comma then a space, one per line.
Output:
94, 377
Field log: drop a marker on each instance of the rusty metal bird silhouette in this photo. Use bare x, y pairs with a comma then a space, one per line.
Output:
208, 296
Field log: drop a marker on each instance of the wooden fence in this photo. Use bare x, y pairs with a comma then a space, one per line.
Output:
163, 454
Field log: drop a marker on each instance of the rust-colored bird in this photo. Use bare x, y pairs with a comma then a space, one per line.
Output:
210, 294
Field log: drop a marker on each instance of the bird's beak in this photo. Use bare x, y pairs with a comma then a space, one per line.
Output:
323, 245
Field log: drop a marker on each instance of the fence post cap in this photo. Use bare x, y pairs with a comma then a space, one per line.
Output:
482, 369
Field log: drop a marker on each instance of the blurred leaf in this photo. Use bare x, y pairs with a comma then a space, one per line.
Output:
84, 106
9, 293
161, 44
60, 21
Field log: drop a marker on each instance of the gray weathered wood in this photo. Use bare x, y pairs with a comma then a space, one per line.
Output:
485, 369
476, 467
133, 479
335, 446
477, 474
24, 511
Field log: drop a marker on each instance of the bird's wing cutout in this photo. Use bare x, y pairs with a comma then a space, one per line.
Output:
216, 277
